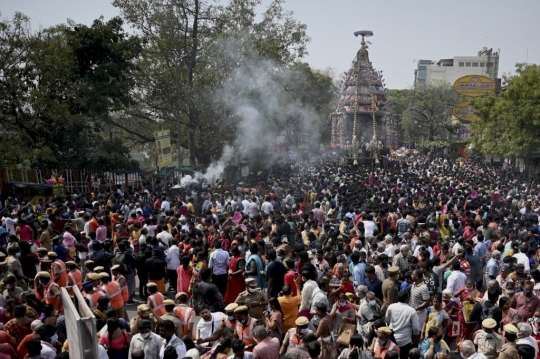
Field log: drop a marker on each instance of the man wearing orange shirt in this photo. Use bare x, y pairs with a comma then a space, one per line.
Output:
289, 308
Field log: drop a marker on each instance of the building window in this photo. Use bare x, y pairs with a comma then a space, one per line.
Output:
475, 64
481, 64
490, 64
461, 64
467, 64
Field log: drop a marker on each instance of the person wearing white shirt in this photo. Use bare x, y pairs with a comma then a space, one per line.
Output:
149, 342
167, 331
165, 205
456, 280
164, 236
369, 226
403, 320
245, 205
11, 222
525, 331
209, 324
151, 228
522, 258
468, 351
172, 258
267, 207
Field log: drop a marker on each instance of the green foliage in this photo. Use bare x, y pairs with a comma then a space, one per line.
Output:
58, 88
509, 124
427, 112
180, 81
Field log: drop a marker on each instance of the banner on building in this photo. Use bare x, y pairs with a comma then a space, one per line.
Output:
163, 144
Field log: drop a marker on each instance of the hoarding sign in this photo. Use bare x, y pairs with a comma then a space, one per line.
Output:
474, 85
163, 144
464, 111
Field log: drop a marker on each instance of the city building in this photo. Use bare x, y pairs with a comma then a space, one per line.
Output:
486, 63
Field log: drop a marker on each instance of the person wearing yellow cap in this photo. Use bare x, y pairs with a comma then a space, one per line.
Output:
253, 298
487, 340
293, 337
51, 291
114, 292
143, 313
184, 312
244, 327
381, 343
169, 306
92, 289
155, 299
509, 350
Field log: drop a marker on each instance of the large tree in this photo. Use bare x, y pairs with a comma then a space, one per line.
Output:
427, 116
188, 58
509, 124
58, 89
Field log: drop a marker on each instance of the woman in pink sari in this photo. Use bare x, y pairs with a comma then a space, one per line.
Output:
185, 273
236, 283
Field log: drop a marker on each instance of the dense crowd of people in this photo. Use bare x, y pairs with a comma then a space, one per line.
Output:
422, 259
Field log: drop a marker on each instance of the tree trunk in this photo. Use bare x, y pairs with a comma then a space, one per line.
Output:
191, 66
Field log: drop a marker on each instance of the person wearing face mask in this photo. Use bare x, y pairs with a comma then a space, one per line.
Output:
122, 282
525, 337
14, 266
47, 333
487, 340
244, 326
143, 313
146, 340
254, 299
381, 343
51, 291
525, 302
294, 336
503, 278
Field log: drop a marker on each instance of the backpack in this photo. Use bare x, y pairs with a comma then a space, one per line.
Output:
120, 259
486, 312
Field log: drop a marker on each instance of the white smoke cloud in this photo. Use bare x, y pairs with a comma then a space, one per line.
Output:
257, 94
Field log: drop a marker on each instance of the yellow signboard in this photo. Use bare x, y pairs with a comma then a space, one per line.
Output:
464, 111
163, 144
474, 85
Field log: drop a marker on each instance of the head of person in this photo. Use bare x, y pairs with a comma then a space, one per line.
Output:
224, 346
242, 314
260, 333
414, 353
302, 326
321, 309
467, 348
525, 351
469, 284
525, 330
361, 291
371, 299
510, 333
205, 313
166, 329
170, 353
47, 332
145, 328
383, 333
206, 274
238, 348
251, 285
417, 276
33, 346
488, 326
143, 312
314, 349
403, 296
437, 301
287, 290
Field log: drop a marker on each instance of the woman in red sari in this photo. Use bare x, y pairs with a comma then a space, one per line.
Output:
185, 273
468, 297
236, 283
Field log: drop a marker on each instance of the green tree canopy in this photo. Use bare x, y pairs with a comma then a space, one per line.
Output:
509, 124
59, 86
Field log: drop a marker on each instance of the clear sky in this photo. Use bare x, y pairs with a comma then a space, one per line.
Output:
405, 30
